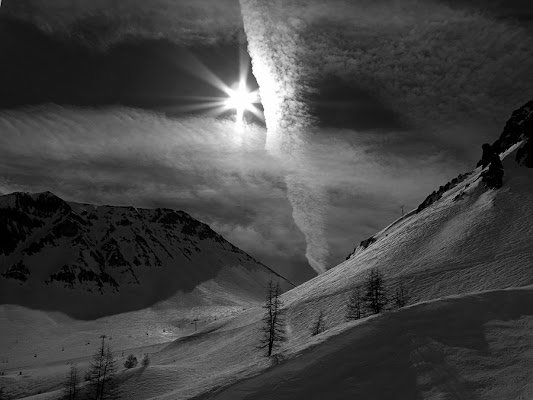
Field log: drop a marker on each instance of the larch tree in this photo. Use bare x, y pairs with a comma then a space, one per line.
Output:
102, 375
145, 362
71, 383
320, 324
273, 329
110, 389
354, 307
401, 295
375, 291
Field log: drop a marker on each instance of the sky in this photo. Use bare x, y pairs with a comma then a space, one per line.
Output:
368, 106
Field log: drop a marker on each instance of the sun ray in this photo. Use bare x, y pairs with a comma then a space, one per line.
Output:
238, 98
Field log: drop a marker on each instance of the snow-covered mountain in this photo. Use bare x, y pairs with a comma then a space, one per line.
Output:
91, 260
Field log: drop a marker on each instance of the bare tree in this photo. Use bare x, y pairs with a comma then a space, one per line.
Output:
110, 387
145, 362
71, 383
354, 307
320, 324
102, 374
273, 328
95, 371
401, 297
375, 291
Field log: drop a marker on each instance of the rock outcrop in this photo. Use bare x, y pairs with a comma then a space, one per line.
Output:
437, 194
517, 128
493, 176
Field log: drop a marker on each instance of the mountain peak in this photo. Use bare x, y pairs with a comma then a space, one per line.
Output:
519, 127
115, 258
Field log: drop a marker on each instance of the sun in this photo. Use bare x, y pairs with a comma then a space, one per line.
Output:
238, 98
241, 100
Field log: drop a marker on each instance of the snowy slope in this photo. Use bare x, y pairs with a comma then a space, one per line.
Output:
90, 261
477, 346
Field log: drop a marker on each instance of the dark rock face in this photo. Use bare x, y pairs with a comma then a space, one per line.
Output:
17, 271
367, 242
524, 155
517, 128
488, 155
437, 194
25, 214
15, 227
363, 245
31, 225
493, 176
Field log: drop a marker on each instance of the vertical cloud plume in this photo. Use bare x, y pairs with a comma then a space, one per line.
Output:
274, 44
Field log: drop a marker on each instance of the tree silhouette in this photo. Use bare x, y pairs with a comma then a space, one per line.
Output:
110, 385
131, 362
145, 362
71, 383
273, 328
354, 307
401, 296
102, 375
375, 291
320, 324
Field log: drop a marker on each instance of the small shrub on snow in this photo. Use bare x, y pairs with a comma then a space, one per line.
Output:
131, 362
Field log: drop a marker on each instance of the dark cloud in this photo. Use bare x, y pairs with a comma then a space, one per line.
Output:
100, 23
511, 11
148, 73
341, 104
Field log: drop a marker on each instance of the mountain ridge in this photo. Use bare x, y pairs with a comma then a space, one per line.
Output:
517, 129
109, 250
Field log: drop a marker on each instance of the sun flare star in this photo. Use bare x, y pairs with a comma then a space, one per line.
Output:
241, 100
